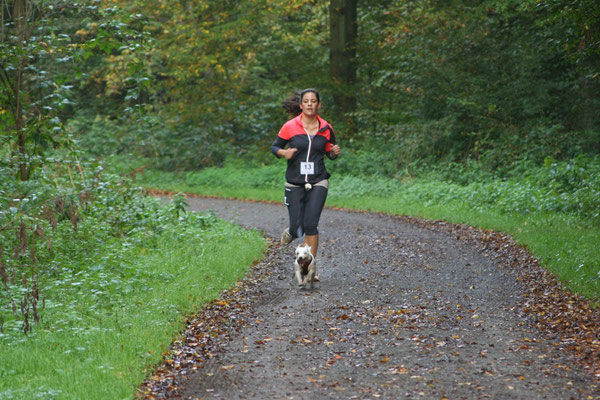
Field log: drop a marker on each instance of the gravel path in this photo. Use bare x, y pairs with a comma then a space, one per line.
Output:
405, 309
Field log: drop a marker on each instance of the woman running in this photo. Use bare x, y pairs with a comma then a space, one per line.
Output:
308, 138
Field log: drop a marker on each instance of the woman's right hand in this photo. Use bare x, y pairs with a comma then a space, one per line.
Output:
289, 153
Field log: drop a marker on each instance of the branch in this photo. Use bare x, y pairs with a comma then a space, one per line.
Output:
62, 196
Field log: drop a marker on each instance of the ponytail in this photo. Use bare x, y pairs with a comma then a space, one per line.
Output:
292, 104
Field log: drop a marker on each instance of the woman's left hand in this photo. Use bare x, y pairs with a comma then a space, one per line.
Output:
335, 150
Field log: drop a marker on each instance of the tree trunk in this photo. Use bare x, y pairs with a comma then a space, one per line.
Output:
23, 175
343, 32
20, 17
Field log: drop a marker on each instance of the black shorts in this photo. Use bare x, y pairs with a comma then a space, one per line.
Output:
304, 209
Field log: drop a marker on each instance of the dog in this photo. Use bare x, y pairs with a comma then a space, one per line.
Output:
305, 267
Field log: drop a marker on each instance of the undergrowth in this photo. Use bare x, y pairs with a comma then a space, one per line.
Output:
97, 277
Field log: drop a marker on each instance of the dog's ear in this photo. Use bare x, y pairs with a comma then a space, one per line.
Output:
309, 249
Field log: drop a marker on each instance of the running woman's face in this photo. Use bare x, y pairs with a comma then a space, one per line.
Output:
310, 104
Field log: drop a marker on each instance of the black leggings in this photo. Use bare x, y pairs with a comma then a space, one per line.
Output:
304, 209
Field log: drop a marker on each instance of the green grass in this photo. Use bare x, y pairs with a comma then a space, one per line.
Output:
566, 243
101, 345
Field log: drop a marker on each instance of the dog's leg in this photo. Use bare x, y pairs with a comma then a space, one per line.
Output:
298, 274
304, 280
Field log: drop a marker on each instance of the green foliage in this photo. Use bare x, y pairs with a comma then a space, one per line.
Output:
483, 80
567, 187
564, 187
45, 50
96, 278
238, 174
494, 82
219, 72
114, 305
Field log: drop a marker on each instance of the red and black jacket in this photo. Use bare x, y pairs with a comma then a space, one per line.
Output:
292, 133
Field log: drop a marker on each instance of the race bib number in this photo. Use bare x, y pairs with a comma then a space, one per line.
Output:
307, 168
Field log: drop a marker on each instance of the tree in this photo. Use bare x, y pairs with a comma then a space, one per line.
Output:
43, 48
16, 27
37, 58
343, 64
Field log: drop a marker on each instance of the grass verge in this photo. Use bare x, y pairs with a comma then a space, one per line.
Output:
111, 339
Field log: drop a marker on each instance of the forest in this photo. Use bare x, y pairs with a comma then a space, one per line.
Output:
488, 106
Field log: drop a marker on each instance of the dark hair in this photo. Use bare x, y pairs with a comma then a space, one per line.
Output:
292, 104
310, 90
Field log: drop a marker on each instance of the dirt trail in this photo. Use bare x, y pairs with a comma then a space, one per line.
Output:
404, 310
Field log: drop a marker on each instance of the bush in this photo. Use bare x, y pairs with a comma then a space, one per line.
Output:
70, 214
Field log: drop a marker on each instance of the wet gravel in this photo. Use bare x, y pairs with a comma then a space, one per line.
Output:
405, 309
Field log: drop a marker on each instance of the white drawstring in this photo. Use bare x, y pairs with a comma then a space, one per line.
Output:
307, 186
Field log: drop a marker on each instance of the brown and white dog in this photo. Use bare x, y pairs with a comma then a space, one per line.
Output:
305, 266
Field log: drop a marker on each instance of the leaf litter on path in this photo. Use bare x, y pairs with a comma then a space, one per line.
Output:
423, 317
